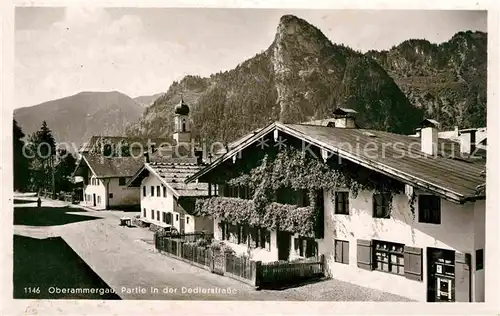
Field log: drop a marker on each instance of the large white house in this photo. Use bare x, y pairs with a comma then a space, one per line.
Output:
433, 252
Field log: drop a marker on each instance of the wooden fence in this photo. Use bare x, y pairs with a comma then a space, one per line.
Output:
290, 272
242, 269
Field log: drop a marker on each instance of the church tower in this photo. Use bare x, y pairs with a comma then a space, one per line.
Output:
182, 128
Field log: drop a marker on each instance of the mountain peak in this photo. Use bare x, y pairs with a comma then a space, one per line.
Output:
292, 26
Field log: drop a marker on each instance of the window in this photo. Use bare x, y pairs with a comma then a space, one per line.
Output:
187, 219
381, 205
242, 234
342, 203
152, 191
479, 259
342, 251
241, 192
144, 191
258, 237
389, 257
231, 233
176, 217
164, 191
98, 199
429, 209
111, 195
122, 181
158, 190
167, 218
157, 215
144, 212
152, 214
292, 197
306, 247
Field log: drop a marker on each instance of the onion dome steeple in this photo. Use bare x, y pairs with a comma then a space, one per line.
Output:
182, 108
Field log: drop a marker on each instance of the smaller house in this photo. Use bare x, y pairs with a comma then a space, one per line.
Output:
106, 163
105, 181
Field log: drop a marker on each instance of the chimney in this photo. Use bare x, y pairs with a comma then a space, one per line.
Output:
344, 118
429, 137
146, 156
199, 156
467, 141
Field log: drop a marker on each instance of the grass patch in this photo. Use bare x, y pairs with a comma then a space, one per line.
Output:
41, 265
18, 201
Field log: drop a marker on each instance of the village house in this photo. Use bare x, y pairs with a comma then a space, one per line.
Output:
165, 200
105, 165
424, 241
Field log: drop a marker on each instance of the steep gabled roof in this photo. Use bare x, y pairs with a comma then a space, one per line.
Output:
453, 178
103, 167
143, 141
173, 175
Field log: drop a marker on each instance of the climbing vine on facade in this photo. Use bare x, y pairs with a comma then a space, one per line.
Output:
297, 170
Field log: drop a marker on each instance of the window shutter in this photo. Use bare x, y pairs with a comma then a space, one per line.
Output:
320, 218
364, 254
253, 237
345, 252
413, 263
338, 251
462, 277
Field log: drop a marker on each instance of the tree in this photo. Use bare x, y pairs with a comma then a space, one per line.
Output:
21, 163
64, 170
43, 150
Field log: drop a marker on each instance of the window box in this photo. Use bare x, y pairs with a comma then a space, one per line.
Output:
389, 257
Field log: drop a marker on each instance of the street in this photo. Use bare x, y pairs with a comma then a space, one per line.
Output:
125, 259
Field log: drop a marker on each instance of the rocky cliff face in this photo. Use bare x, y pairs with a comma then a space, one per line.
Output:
313, 76
448, 81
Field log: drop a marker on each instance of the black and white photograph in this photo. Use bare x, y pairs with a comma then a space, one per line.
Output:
250, 154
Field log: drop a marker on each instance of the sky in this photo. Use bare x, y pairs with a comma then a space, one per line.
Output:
141, 51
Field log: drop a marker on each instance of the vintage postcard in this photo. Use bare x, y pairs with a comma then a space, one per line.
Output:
250, 154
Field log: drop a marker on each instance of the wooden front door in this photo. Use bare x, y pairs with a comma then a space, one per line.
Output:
440, 275
283, 240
